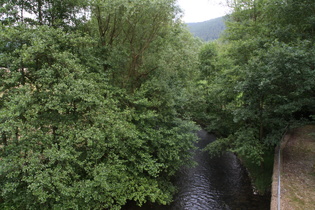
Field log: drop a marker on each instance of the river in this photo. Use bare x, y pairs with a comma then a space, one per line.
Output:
215, 183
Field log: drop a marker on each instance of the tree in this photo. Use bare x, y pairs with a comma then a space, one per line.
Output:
77, 134
56, 13
263, 85
270, 56
128, 30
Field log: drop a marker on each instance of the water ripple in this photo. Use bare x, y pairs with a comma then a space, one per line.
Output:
215, 183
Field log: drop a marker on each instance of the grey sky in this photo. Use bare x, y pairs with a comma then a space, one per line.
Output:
201, 10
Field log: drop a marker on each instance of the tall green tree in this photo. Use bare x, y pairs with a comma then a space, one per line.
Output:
264, 81
55, 13
271, 56
127, 30
81, 125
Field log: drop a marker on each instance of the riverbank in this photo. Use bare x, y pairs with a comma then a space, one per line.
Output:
297, 171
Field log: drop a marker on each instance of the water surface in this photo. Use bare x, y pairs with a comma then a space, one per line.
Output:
215, 183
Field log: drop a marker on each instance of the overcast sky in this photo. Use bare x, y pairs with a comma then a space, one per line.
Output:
201, 10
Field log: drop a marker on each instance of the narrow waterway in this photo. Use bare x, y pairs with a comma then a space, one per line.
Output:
215, 183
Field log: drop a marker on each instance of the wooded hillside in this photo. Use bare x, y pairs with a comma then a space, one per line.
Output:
208, 30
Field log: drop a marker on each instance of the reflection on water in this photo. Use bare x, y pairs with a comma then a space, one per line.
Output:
215, 183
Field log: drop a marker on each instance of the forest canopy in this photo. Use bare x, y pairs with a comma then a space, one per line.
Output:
260, 77
100, 99
92, 96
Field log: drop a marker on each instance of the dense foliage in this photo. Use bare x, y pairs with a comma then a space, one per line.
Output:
92, 96
260, 77
97, 97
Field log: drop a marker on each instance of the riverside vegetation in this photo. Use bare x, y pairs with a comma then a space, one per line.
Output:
100, 99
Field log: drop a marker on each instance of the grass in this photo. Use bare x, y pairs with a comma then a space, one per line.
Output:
312, 136
261, 176
299, 169
298, 200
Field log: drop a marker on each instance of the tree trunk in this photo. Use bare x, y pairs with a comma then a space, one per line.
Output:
4, 139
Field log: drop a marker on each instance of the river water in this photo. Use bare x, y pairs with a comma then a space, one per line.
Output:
215, 183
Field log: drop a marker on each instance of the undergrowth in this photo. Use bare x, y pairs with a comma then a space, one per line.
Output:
261, 176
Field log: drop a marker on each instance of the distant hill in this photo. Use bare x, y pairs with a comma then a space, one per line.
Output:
208, 30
